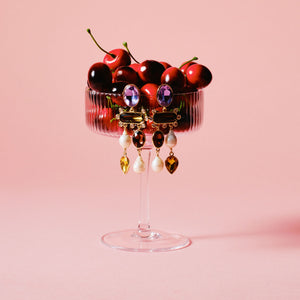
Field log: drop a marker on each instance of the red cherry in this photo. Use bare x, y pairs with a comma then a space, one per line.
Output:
148, 98
121, 58
174, 78
165, 64
198, 76
151, 71
115, 58
127, 74
99, 77
184, 68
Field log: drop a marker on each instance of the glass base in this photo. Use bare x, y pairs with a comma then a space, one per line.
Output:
150, 241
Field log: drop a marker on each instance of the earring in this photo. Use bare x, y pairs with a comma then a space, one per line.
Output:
158, 140
166, 118
133, 119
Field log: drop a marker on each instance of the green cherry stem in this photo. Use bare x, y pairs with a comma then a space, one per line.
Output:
90, 33
194, 58
126, 47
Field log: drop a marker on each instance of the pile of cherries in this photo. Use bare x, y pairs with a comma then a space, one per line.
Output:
116, 71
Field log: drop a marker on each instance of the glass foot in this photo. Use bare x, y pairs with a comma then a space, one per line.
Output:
151, 241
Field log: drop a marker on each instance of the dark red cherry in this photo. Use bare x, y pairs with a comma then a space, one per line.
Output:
150, 71
174, 78
198, 76
127, 74
148, 92
117, 90
121, 58
99, 77
165, 64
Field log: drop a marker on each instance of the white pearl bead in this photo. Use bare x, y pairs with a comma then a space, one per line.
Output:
125, 140
171, 139
157, 164
139, 165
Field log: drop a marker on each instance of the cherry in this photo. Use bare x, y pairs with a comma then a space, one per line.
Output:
149, 91
165, 64
174, 78
99, 77
186, 64
198, 76
114, 58
151, 71
127, 74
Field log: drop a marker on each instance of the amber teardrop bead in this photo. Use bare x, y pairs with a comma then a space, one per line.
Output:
171, 163
124, 163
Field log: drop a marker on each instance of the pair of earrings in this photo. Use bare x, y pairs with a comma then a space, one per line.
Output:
138, 119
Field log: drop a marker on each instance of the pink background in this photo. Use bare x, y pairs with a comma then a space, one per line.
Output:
236, 193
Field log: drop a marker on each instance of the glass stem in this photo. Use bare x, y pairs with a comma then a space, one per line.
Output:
144, 221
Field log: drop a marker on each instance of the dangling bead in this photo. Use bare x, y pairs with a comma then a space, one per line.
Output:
157, 164
139, 165
171, 139
124, 163
125, 140
171, 163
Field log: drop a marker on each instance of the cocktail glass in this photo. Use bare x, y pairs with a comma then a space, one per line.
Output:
101, 110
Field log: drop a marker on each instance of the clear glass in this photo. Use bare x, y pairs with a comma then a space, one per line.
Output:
100, 112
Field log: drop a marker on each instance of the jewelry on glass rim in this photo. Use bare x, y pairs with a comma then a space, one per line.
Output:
166, 119
133, 119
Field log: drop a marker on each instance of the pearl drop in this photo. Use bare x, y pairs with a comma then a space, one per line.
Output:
125, 140
157, 164
171, 139
139, 165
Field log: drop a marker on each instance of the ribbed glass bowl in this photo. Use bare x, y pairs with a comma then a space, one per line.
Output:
101, 112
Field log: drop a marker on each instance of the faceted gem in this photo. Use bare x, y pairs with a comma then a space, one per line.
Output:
138, 138
171, 163
164, 95
131, 117
164, 117
131, 95
124, 163
158, 139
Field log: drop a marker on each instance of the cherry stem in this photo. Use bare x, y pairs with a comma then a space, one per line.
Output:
90, 33
126, 47
194, 58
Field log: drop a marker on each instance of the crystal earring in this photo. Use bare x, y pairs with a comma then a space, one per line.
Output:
133, 119
166, 119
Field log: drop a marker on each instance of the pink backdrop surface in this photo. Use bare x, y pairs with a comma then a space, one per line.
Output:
236, 193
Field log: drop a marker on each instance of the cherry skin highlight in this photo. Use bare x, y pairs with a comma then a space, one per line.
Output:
198, 76
99, 77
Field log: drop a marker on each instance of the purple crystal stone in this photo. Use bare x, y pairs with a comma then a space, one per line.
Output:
164, 95
131, 95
